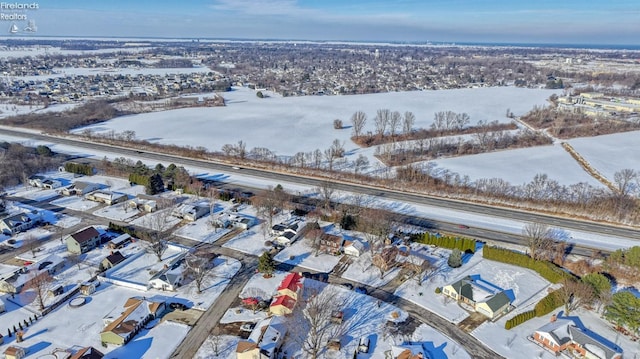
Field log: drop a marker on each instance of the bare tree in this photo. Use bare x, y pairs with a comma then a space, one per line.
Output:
31, 242
358, 120
381, 121
314, 239
360, 163
376, 225
215, 341
394, 122
313, 327
408, 121
329, 156
267, 203
539, 240
625, 181
156, 237
419, 268
326, 191
385, 259
575, 294
39, 283
198, 265
74, 259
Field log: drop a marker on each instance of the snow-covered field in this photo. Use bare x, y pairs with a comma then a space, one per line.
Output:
291, 119
610, 153
551, 160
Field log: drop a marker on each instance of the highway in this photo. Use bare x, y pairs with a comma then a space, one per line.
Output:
276, 177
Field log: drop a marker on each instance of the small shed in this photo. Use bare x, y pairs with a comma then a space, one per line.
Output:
334, 344
87, 288
337, 316
119, 241
56, 291
15, 352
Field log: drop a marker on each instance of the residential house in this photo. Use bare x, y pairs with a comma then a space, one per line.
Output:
244, 223
51, 184
264, 341
330, 243
171, 276
111, 260
43, 182
120, 241
15, 352
20, 222
87, 353
287, 295
80, 188
291, 285
496, 305
143, 203
408, 351
107, 197
353, 248
83, 241
137, 312
483, 296
36, 180
282, 305
191, 212
563, 335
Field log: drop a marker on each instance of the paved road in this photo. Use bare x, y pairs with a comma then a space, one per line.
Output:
200, 332
471, 345
459, 205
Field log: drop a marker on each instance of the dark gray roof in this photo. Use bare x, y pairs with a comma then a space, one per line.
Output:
498, 301
592, 344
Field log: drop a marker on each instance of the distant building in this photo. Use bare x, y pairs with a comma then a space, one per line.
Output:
287, 296
20, 222
264, 341
485, 298
107, 197
87, 353
112, 260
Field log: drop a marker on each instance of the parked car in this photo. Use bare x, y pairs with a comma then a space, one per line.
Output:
361, 290
462, 226
363, 345
247, 327
178, 306
347, 285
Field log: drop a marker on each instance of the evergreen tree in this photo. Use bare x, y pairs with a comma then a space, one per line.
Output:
598, 282
266, 264
624, 310
455, 258
155, 185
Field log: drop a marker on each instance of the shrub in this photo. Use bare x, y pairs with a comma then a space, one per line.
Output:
455, 258
337, 124
438, 290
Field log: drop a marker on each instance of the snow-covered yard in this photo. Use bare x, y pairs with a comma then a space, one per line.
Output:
119, 212
75, 203
300, 254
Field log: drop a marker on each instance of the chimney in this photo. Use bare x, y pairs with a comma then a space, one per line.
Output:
553, 318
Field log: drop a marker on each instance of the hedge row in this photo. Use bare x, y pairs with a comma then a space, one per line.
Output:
547, 270
519, 319
548, 304
450, 242
82, 169
142, 180
127, 229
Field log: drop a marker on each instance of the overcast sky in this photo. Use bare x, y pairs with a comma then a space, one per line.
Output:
528, 21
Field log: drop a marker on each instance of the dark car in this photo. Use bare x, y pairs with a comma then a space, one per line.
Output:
178, 306
361, 290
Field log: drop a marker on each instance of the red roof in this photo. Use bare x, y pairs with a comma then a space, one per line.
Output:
250, 301
285, 300
291, 282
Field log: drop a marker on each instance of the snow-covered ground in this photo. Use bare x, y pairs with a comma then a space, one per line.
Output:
610, 153
310, 117
551, 160
119, 212
300, 254
363, 271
